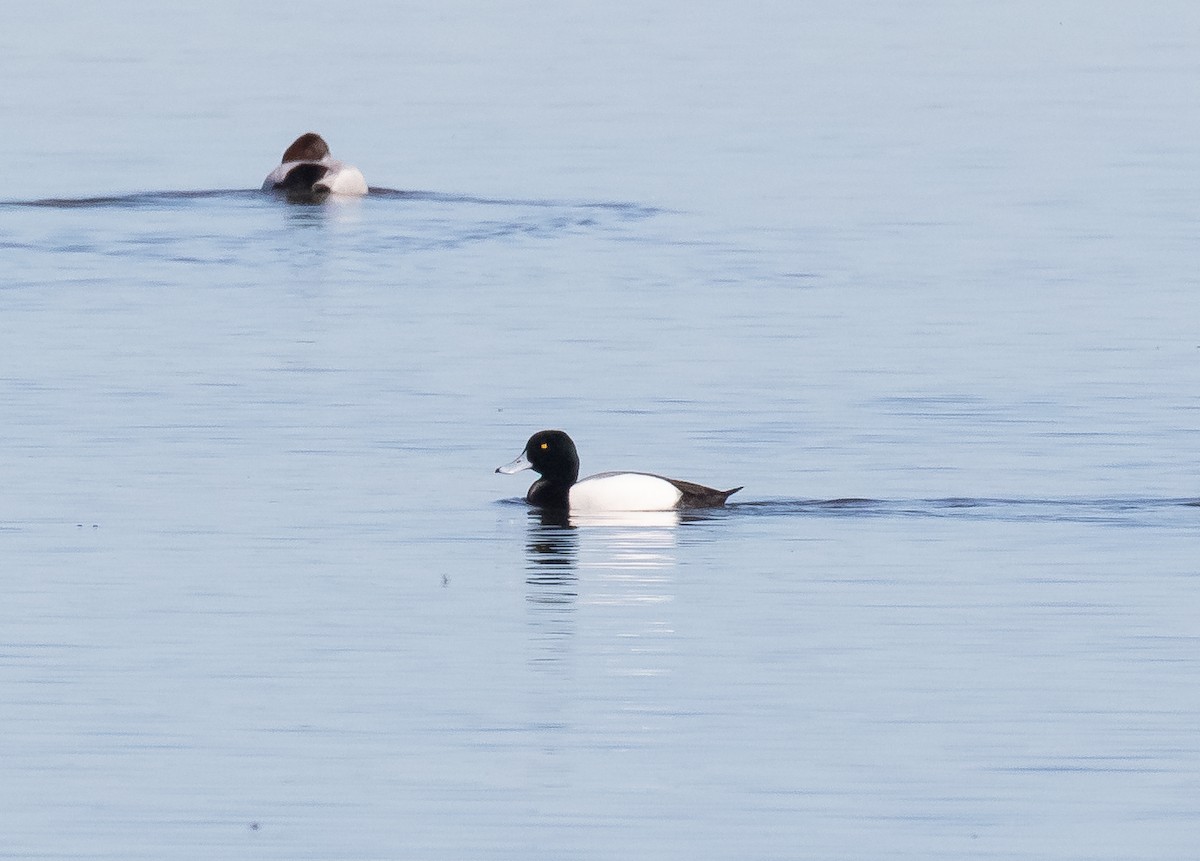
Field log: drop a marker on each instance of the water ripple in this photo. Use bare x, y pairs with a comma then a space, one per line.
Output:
1115, 511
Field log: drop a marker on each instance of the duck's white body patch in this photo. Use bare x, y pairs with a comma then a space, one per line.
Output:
343, 179
623, 491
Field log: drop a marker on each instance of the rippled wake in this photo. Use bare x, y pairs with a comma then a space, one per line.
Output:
142, 199
1130, 511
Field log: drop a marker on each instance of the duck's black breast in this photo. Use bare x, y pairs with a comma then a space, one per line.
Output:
546, 493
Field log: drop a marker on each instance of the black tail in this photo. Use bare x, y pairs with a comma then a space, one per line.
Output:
699, 496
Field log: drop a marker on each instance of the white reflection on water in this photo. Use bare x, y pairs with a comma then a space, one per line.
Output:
639, 520
552, 590
614, 568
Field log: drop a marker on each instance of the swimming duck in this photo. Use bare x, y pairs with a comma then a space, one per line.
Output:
308, 170
552, 455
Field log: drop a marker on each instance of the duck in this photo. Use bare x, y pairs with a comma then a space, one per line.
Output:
309, 171
553, 456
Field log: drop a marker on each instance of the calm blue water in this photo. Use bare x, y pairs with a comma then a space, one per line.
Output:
922, 279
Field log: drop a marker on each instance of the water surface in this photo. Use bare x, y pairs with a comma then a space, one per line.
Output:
920, 279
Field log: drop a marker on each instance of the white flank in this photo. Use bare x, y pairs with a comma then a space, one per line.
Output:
623, 491
342, 179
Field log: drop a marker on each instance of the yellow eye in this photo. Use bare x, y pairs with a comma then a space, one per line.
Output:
545, 446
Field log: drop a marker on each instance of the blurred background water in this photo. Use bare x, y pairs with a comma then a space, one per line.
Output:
921, 277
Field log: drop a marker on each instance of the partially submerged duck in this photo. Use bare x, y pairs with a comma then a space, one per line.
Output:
309, 171
552, 455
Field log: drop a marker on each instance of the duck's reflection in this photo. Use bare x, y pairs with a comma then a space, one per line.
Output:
603, 560
552, 551
551, 557
633, 539
307, 211
632, 519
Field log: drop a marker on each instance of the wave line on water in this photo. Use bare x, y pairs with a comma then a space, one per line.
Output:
138, 199
133, 200
1114, 510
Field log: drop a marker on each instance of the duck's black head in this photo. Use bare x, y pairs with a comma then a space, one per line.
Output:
552, 455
